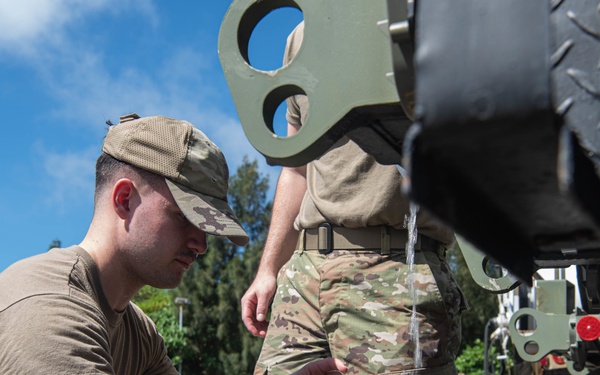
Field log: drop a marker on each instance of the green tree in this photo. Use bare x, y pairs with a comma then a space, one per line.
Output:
219, 342
472, 360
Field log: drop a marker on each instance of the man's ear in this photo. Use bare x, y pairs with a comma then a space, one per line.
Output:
122, 193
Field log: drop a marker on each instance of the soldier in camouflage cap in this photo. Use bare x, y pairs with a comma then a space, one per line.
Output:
161, 187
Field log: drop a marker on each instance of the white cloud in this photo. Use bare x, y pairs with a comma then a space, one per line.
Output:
26, 26
88, 92
69, 175
25, 23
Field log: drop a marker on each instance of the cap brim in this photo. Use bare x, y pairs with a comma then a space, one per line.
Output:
209, 214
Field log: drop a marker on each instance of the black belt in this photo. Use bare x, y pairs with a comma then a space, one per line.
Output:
383, 239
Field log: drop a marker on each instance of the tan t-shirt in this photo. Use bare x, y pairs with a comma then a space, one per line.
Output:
55, 319
347, 187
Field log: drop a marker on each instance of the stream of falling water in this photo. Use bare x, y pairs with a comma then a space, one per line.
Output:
411, 224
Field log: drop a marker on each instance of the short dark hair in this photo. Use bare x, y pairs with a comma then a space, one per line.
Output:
108, 169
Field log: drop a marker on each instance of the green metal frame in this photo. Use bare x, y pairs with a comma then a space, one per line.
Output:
345, 62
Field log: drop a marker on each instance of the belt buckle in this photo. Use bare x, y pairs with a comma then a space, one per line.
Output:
325, 247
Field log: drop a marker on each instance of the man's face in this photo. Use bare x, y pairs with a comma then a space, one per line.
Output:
163, 243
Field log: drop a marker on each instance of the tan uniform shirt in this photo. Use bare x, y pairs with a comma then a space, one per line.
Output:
55, 319
347, 187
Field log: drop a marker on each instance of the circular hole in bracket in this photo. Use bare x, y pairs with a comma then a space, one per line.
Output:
526, 325
493, 269
263, 32
531, 347
275, 107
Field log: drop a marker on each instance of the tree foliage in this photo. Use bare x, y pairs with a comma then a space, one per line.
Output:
471, 360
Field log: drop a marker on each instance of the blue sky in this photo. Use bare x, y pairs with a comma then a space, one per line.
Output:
67, 66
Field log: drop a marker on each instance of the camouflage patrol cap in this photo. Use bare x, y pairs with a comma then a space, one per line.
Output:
193, 166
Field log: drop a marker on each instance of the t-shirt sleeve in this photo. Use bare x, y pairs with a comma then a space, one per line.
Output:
53, 334
160, 361
162, 364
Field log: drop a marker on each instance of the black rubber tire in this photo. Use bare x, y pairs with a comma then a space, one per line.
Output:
576, 69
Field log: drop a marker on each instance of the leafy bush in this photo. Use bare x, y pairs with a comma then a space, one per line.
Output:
471, 359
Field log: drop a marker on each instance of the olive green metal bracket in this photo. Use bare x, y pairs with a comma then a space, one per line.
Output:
476, 261
554, 325
344, 67
553, 333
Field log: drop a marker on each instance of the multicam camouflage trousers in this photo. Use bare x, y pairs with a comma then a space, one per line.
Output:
357, 306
